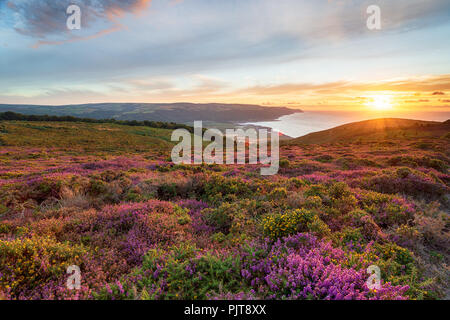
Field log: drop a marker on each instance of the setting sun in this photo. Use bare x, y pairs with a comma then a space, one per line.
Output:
380, 102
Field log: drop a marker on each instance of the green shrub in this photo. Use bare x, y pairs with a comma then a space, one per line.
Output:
352, 235
316, 190
403, 172
219, 188
182, 273
97, 187
218, 237
339, 190
398, 267
182, 214
220, 218
284, 163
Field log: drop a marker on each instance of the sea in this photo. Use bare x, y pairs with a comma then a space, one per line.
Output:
299, 124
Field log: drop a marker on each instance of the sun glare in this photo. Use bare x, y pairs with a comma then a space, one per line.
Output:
380, 102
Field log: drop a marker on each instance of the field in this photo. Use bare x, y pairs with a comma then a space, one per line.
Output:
107, 198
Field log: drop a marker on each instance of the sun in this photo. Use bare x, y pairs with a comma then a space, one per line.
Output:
380, 102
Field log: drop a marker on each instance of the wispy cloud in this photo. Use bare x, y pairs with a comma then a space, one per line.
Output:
422, 84
45, 20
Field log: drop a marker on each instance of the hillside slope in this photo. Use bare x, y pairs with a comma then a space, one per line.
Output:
82, 138
386, 128
166, 112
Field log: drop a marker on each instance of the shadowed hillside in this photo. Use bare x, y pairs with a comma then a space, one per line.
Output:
167, 112
373, 130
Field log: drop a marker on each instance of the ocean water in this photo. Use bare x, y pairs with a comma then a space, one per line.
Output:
300, 124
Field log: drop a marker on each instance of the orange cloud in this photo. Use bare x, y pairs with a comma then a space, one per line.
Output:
428, 84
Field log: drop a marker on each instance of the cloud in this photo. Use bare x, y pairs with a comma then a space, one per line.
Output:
46, 20
438, 93
404, 85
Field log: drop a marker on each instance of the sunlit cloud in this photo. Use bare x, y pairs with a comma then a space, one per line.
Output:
45, 20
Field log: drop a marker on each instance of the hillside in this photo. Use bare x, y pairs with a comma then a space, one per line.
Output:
80, 138
374, 130
107, 198
167, 112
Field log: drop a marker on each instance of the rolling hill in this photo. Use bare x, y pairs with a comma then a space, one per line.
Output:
376, 129
167, 112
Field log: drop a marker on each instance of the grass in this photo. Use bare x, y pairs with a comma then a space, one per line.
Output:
85, 137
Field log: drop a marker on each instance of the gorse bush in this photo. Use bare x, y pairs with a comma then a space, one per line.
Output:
30, 262
218, 188
291, 222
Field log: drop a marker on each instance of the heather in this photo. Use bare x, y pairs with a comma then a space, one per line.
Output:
105, 197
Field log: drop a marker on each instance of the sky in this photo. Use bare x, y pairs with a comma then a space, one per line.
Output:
311, 55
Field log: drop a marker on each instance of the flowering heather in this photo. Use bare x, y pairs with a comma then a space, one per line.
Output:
140, 227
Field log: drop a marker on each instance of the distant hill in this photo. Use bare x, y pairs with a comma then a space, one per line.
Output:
166, 112
374, 130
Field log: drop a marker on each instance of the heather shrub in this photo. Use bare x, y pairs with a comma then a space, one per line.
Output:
350, 163
386, 210
218, 237
406, 181
130, 230
403, 172
184, 272
366, 224
303, 267
198, 222
437, 164
402, 161
414, 162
